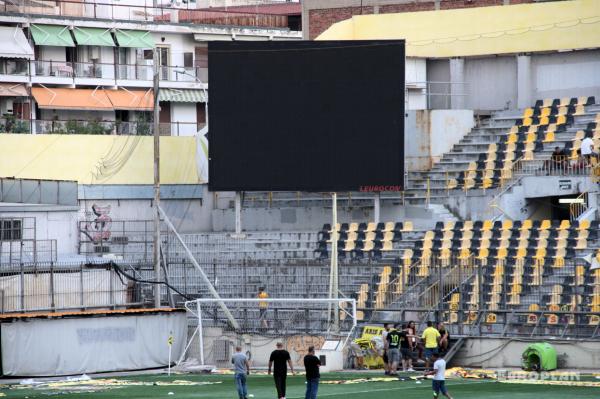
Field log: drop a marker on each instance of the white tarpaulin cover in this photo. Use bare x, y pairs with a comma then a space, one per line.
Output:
14, 43
53, 347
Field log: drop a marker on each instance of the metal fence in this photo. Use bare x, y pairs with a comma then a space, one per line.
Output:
51, 286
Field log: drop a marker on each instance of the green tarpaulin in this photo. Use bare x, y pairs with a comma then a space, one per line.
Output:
52, 35
93, 37
134, 38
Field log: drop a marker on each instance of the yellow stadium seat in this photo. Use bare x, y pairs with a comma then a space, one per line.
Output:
514, 129
507, 224
484, 253
544, 121
561, 119
502, 253
512, 138
540, 253
547, 102
492, 148
429, 235
583, 234
524, 234
565, 101
521, 253
448, 235
544, 112
527, 122
349, 246
549, 138
451, 184
528, 155
387, 246
472, 166
563, 110
388, 236
487, 225
545, 225
389, 226
407, 226
368, 246
584, 225
370, 236
530, 138
527, 224
563, 234
371, 226
448, 225
511, 147
505, 234
467, 226
352, 236
579, 110
528, 113
580, 135
564, 225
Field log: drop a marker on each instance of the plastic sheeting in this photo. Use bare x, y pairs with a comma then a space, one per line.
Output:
88, 345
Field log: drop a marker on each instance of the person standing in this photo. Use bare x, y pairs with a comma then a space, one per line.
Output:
431, 336
406, 349
311, 365
444, 338
241, 368
393, 343
277, 362
384, 333
262, 306
439, 377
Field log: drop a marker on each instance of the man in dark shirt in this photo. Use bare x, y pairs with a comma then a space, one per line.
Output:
406, 349
279, 357
393, 339
311, 365
445, 337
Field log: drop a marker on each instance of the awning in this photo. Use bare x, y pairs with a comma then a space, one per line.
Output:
134, 38
131, 99
13, 90
52, 35
84, 99
14, 43
182, 96
93, 37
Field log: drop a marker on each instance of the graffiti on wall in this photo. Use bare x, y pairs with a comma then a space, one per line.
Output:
97, 227
298, 345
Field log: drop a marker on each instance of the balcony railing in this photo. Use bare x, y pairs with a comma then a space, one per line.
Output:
99, 70
104, 9
140, 128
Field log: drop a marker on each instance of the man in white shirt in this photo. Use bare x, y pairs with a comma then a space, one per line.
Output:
439, 377
587, 148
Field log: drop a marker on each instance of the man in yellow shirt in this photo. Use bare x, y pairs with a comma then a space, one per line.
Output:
262, 294
431, 337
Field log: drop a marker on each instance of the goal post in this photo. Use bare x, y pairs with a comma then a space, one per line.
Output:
261, 322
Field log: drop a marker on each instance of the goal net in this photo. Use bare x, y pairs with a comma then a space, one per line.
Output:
218, 326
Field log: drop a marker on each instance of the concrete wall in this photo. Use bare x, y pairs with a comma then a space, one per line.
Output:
500, 353
491, 83
429, 134
568, 74
186, 114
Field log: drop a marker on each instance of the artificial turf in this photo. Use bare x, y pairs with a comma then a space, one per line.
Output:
261, 386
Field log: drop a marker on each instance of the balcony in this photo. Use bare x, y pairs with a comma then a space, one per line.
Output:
139, 128
96, 73
186, 13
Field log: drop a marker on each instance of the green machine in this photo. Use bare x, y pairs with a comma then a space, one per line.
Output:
540, 356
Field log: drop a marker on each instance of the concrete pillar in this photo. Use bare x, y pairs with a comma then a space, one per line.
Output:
524, 86
457, 80
238, 213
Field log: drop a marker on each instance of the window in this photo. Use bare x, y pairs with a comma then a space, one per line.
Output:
188, 60
11, 229
148, 54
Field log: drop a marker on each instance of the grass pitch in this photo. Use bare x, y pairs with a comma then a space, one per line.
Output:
261, 386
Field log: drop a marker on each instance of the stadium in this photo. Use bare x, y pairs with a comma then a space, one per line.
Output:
300, 198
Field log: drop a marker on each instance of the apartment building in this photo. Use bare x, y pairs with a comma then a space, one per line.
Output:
86, 66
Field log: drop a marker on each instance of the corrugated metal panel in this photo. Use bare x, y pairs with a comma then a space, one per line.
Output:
182, 96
